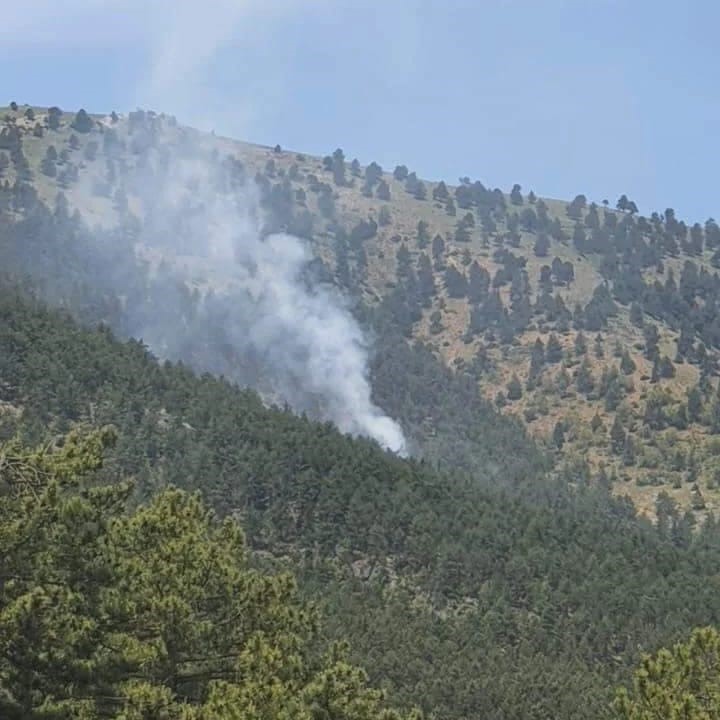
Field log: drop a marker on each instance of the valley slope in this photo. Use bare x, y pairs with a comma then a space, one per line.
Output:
594, 326
493, 575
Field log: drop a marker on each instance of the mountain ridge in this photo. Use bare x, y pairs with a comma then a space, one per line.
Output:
365, 224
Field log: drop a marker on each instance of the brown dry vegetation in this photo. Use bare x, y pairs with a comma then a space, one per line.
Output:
544, 405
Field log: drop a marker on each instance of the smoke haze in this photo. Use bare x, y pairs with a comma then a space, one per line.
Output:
189, 251
290, 336
296, 339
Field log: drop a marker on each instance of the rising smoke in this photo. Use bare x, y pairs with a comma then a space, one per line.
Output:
291, 337
199, 278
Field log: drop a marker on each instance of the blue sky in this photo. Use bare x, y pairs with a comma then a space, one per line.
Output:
563, 96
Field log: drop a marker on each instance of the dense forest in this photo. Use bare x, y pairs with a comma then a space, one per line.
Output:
150, 613
157, 501
436, 578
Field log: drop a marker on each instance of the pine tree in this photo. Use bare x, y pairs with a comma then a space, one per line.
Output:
455, 282
426, 280
627, 364
694, 403
400, 173
652, 339
666, 368
53, 118
584, 379
554, 351
423, 236
436, 326
617, 436
151, 612
537, 359
440, 192
383, 191
598, 348
681, 683
48, 166
580, 344
478, 283
337, 166
655, 373
514, 389
82, 123
542, 245
628, 451
516, 197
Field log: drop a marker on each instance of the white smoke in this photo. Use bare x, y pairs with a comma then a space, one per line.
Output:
313, 337
312, 352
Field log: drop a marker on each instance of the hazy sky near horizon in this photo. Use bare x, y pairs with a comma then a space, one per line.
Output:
601, 97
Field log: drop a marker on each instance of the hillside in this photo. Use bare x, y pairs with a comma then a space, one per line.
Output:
595, 327
489, 575
460, 594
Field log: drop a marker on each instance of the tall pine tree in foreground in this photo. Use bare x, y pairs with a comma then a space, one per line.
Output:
149, 614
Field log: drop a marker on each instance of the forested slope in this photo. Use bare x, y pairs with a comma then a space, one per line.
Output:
593, 325
108, 612
490, 576
435, 579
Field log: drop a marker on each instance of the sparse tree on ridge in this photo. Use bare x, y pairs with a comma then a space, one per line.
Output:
400, 173
82, 123
516, 197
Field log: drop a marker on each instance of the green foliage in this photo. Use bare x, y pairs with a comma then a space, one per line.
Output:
627, 364
584, 379
554, 351
514, 389
48, 166
682, 683
484, 589
383, 191
455, 282
154, 613
519, 549
694, 403
628, 451
542, 245
580, 344
440, 192
423, 236
617, 436
82, 123
598, 347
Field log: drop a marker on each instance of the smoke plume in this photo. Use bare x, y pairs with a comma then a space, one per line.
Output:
221, 293
200, 278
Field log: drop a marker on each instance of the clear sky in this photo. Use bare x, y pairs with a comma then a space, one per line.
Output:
601, 97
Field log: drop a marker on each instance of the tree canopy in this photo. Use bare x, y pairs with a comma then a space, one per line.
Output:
154, 612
